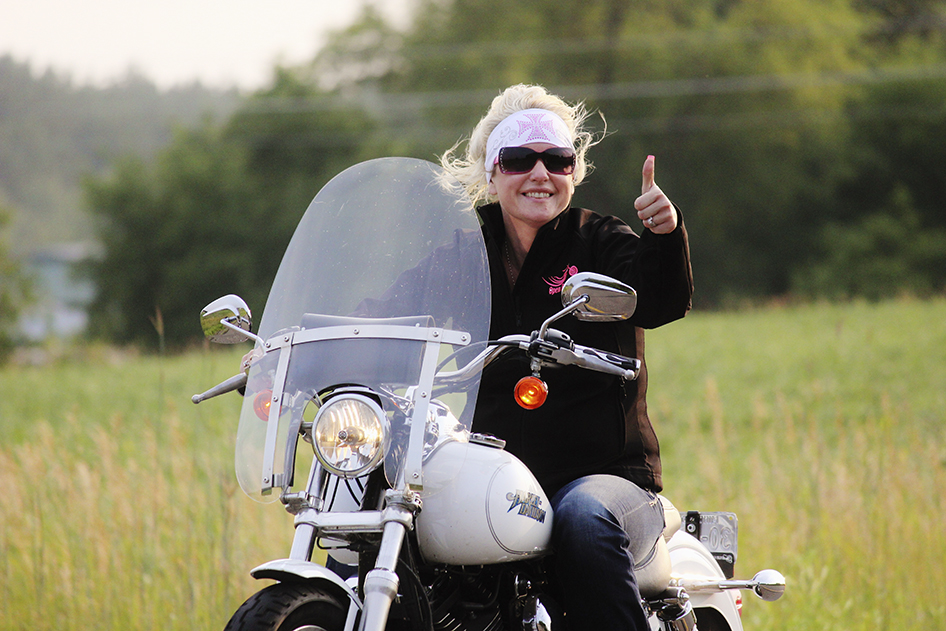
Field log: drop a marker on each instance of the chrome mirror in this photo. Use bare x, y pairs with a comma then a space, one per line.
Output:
768, 585
608, 300
227, 320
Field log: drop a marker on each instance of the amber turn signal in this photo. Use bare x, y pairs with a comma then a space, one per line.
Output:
262, 403
531, 392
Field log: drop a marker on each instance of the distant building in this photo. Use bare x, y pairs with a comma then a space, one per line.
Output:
61, 296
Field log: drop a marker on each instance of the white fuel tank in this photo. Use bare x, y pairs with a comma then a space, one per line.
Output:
481, 506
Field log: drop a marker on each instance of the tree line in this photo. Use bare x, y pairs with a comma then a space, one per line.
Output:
800, 138
54, 132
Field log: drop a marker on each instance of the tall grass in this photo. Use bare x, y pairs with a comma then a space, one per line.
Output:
821, 426
119, 505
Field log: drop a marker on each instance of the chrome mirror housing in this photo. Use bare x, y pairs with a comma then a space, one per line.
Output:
227, 320
769, 585
608, 300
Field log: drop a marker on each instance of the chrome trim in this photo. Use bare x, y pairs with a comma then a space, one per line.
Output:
413, 471
270, 479
382, 331
769, 585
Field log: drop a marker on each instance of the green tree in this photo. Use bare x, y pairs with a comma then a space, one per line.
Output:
171, 235
214, 213
14, 291
54, 132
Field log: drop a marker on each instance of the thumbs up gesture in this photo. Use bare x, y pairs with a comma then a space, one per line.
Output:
653, 207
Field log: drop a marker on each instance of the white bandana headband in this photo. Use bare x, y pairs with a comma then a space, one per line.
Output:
522, 128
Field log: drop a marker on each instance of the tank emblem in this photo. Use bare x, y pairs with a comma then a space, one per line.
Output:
529, 505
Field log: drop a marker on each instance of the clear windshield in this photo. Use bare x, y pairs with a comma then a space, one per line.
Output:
385, 246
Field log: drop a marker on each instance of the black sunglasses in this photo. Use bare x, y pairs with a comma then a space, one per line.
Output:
558, 160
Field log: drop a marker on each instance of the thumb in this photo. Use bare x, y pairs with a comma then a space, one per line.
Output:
648, 174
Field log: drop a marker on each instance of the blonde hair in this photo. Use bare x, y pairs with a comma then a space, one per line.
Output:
470, 170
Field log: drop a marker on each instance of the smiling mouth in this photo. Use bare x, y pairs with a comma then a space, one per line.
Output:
538, 195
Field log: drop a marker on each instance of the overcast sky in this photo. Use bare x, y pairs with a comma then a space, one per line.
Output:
220, 42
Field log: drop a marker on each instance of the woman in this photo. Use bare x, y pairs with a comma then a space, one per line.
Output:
591, 446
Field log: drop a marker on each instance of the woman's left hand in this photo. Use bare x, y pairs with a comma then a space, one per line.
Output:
653, 206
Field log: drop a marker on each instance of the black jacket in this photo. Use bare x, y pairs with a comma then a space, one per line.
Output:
591, 422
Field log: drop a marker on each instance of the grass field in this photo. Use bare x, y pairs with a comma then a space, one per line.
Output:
820, 425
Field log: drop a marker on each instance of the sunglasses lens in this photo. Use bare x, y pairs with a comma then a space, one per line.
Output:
559, 160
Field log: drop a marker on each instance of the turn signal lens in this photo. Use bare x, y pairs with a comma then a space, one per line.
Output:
262, 403
531, 392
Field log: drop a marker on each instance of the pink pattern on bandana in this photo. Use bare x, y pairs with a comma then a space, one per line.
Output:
537, 128
555, 283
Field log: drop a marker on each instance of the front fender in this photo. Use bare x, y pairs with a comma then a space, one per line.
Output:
288, 570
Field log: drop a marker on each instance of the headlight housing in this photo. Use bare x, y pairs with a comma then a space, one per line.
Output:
349, 433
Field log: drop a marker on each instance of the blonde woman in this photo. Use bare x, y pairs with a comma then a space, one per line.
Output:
591, 446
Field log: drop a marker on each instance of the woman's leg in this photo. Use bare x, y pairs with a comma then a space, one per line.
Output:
603, 526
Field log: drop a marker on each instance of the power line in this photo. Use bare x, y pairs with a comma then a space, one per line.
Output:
622, 91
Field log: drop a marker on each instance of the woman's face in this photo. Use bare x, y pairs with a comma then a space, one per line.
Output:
530, 200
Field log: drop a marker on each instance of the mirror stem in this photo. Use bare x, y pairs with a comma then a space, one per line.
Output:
246, 334
569, 308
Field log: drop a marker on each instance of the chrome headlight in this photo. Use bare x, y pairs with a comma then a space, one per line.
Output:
349, 433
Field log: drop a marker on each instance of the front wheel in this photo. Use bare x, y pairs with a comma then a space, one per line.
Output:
302, 606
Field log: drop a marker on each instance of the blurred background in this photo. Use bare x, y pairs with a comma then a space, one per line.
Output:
803, 139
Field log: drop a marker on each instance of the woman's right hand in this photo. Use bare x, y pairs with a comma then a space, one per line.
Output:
249, 358
653, 206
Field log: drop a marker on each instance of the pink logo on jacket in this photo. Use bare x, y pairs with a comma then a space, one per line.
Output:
555, 283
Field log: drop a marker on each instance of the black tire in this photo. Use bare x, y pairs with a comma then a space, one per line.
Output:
301, 606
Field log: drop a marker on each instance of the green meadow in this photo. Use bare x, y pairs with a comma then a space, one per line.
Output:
821, 426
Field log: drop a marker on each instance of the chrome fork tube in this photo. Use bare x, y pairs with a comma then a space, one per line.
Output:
381, 583
303, 541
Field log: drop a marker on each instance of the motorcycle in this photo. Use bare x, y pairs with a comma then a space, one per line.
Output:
370, 350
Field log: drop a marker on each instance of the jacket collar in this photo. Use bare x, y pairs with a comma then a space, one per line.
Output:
550, 233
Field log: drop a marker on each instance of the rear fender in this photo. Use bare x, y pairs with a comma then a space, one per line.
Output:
688, 557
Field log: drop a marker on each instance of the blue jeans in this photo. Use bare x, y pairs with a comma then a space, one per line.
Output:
603, 523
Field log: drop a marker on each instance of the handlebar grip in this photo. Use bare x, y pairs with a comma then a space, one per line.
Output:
596, 360
233, 383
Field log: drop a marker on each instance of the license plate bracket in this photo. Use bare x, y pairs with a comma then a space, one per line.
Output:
718, 531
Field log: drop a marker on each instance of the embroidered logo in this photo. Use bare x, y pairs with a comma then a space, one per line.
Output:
555, 283
529, 505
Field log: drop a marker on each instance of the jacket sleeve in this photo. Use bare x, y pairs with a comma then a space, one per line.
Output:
657, 266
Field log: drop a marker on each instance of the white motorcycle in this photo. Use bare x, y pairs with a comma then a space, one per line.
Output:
370, 350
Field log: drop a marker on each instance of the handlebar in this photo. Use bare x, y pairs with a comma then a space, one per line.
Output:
555, 349
233, 383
